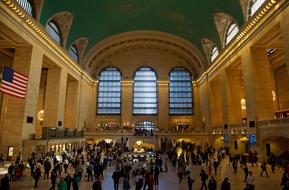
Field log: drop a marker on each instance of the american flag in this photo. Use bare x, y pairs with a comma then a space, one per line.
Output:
13, 83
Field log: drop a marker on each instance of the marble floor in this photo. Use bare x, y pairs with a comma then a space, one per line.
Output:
169, 180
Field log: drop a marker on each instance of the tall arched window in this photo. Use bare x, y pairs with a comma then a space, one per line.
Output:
145, 91
53, 31
255, 5
26, 5
109, 92
233, 29
73, 53
214, 53
181, 98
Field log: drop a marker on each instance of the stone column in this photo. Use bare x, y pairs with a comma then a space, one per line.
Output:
15, 128
54, 104
231, 95
72, 105
284, 25
198, 119
258, 84
163, 104
126, 101
205, 104
216, 103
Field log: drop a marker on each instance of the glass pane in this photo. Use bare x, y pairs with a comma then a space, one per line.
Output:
73, 53
231, 33
53, 31
109, 92
180, 92
26, 6
214, 53
255, 5
145, 92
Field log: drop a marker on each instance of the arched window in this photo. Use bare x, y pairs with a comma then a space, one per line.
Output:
26, 5
254, 6
109, 92
145, 91
53, 31
73, 53
233, 29
181, 101
214, 53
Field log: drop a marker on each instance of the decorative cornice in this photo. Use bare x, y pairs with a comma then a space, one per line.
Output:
40, 32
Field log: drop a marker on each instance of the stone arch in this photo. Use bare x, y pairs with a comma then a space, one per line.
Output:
37, 8
222, 22
207, 46
245, 7
80, 45
159, 41
64, 22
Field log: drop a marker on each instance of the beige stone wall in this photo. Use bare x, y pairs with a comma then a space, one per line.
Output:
216, 103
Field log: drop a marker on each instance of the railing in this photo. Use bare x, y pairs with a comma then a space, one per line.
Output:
274, 122
60, 133
131, 132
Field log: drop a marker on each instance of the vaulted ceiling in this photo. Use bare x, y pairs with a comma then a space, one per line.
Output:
99, 19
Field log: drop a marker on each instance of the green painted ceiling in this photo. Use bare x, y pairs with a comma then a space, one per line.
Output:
99, 19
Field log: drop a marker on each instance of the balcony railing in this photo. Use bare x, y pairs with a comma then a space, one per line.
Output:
61, 133
274, 122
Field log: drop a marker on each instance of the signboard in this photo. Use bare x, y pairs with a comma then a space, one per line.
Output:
252, 138
10, 150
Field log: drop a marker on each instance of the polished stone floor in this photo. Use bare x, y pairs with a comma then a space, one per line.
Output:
169, 181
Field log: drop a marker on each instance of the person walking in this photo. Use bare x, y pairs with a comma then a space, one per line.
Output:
246, 171
89, 170
68, 180
212, 184
235, 165
251, 181
75, 182
5, 183
285, 181
204, 178
138, 181
115, 177
65, 164
62, 184
264, 169
190, 183
226, 185
37, 175
151, 181
47, 168
215, 164
126, 184
53, 177
96, 184
156, 175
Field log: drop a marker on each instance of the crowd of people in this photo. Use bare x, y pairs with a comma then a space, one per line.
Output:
67, 171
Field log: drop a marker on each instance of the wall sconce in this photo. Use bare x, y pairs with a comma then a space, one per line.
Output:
40, 115
274, 95
243, 104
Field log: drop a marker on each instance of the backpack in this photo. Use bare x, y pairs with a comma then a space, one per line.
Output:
206, 176
140, 182
286, 184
